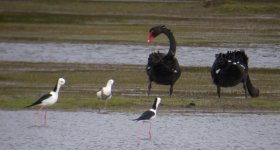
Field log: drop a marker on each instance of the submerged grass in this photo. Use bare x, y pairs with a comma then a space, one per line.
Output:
23, 83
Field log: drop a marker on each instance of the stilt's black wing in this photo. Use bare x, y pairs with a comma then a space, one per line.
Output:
39, 101
145, 116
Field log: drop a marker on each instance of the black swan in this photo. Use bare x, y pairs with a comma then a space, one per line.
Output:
163, 68
230, 69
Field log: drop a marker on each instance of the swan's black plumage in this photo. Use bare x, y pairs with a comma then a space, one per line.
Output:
230, 69
163, 68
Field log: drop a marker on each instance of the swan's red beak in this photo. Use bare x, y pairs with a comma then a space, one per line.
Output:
150, 38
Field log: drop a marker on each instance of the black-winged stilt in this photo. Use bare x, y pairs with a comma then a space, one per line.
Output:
150, 114
48, 100
105, 93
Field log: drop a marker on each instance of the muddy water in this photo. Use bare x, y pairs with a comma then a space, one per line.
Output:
264, 56
91, 130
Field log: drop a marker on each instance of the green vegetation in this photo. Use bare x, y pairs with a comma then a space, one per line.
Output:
225, 22
247, 6
228, 21
23, 83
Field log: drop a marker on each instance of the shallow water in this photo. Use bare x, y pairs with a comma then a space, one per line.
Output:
261, 56
91, 130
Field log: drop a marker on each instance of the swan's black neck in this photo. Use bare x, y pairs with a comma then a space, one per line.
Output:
172, 42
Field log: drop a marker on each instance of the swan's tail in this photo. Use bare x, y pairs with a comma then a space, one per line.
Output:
254, 92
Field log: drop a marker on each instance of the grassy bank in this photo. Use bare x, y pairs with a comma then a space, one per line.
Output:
23, 83
128, 22
227, 22
247, 6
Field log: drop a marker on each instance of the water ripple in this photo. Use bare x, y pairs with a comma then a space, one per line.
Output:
91, 130
260, 56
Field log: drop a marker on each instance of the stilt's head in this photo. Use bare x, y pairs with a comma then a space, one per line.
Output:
110, 82
61, 81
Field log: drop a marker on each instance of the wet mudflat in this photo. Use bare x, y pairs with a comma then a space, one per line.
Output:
115, 130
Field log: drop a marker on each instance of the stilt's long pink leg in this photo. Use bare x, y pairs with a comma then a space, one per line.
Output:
45, 117
140, 130
150, 130
36, 118
37, 114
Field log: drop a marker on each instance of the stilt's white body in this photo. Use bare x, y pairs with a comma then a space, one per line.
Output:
51, 100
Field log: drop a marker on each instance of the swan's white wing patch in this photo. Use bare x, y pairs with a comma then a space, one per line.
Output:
217, 71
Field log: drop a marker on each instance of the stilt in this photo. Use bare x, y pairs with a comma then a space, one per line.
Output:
147, 116
47, 100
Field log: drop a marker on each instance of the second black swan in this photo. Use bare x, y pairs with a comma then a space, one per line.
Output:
163, 68
230, 69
